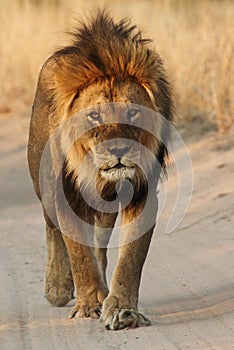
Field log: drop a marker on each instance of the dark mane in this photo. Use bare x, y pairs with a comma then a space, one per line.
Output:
103, 49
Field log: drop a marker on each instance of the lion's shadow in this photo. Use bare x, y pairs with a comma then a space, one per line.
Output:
212, 303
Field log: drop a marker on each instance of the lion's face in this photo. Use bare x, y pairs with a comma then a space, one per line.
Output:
116, 142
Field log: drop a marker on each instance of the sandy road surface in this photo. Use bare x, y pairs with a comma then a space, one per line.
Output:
188, 281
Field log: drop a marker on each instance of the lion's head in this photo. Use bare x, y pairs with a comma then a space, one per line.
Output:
105, 86
115, 146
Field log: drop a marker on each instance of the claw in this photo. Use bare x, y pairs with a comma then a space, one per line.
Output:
87, 311
124, 319
72, 313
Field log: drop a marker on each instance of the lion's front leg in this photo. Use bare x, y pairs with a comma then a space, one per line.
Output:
78, 235
104, 224
90, 289
120, 307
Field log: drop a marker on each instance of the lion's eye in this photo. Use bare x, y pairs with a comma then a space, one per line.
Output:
94, 116
133, 114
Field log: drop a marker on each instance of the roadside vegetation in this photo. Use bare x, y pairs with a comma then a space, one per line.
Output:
195, 38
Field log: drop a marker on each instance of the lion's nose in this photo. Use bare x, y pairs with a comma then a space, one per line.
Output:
119, 152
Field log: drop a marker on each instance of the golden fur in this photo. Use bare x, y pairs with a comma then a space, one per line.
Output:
104, 77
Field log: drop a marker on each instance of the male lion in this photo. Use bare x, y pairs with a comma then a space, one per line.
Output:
110, 80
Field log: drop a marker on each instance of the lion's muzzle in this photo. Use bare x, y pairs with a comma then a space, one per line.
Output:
116, 161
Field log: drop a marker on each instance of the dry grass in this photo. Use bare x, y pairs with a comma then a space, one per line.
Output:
194, 37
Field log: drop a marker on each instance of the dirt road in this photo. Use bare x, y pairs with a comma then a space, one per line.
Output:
188, 280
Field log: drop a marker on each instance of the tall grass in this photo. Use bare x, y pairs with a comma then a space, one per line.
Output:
195, 39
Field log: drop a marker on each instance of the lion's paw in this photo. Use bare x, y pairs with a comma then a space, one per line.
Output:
124, 318
85, 311
61, 294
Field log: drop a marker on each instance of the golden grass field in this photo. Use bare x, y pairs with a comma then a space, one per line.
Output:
195, 38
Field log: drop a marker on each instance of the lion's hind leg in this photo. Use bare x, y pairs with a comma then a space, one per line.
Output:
59, 286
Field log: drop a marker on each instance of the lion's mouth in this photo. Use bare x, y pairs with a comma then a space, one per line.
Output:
118, 170
116, 166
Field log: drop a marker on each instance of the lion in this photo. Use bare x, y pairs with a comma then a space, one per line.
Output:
108, 77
